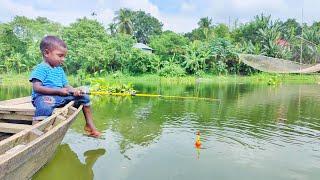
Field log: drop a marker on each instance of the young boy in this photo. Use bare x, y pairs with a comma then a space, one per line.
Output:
50, 87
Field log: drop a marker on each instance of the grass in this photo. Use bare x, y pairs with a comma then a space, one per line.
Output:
14, 79
261, 78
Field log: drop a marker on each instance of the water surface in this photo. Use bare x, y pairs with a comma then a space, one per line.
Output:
253, 132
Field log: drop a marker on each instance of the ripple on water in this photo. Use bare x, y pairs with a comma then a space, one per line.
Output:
242, 132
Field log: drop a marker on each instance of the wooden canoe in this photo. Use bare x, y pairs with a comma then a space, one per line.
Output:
25, 148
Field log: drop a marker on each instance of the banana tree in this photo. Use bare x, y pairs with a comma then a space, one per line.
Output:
195, 57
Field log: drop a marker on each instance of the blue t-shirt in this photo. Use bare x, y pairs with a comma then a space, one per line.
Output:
53, 77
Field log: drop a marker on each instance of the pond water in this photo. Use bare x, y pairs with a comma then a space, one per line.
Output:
251, 132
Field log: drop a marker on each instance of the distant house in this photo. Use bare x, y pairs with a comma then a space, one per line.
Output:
143, 47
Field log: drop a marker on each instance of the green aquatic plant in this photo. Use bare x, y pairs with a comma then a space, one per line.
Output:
101, 84
274, 80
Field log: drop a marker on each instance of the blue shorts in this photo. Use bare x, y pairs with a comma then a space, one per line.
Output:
45, 104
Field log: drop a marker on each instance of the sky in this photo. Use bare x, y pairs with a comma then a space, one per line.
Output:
177, 15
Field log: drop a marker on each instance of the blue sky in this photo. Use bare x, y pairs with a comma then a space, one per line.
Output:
176, 15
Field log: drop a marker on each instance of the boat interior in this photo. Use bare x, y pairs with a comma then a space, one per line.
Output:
16, 125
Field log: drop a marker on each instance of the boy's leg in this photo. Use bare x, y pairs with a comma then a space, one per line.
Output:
46, 104
44, 107
89, 127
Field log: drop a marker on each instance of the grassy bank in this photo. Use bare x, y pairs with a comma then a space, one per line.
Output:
14, 79
261, 78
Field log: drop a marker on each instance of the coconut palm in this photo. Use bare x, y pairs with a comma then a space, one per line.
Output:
205, 24
112, 28
123, 21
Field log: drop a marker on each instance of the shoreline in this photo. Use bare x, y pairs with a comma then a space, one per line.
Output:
15, 79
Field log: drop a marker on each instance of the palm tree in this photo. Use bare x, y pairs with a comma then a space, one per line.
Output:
205, 22
112, 28
205, 25
123, 21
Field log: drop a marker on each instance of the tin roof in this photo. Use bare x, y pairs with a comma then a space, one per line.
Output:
142, 46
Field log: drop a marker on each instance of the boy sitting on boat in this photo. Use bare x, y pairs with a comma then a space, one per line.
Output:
50, 88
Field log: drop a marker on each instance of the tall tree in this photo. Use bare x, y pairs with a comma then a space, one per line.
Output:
289, 29
112, 28
169, 45
137, 23
250, 31
221, 31
204, 32
205, 22
19, 41
144, 26
123, 20
205, 25
86, 40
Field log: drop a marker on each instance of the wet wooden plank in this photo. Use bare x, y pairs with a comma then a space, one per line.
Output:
14, 109
29, 113
16, 101
16, 117
27, 107
21, 105
12, 128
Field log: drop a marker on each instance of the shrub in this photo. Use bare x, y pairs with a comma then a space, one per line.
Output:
172, 70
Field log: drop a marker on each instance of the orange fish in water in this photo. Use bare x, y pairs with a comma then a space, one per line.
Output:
198, 142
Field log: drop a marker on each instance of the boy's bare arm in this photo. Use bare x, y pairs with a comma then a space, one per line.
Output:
70, 88
39, 88
76, 92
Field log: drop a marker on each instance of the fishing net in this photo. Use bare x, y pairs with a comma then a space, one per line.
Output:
304, 58
276, 65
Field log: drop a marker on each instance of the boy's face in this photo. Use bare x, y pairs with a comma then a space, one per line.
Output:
55, 56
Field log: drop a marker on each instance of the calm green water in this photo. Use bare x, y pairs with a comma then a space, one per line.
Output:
254, 132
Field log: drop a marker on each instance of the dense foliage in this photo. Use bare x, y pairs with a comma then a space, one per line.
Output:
208, 49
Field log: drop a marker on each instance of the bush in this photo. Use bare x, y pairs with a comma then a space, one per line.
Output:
172, 70
142, 62
220, 67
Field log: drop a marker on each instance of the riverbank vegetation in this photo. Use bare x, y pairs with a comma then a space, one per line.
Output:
117, 80
210, 49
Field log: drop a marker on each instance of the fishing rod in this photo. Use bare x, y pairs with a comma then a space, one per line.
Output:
145, 95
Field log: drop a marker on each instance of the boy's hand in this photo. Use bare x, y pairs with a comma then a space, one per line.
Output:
63, 92
77, 92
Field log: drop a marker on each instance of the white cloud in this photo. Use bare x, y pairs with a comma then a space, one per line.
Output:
144, 5
245, 10
310, 11
17, 9
107, 8
64, 17
181, 18
48, 2
179, 23
105, 16
246, 5
187, 7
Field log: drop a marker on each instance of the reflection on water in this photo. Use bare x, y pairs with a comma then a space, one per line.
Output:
254, 132
66, 165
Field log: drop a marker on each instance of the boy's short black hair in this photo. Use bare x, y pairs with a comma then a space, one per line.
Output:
51, 42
